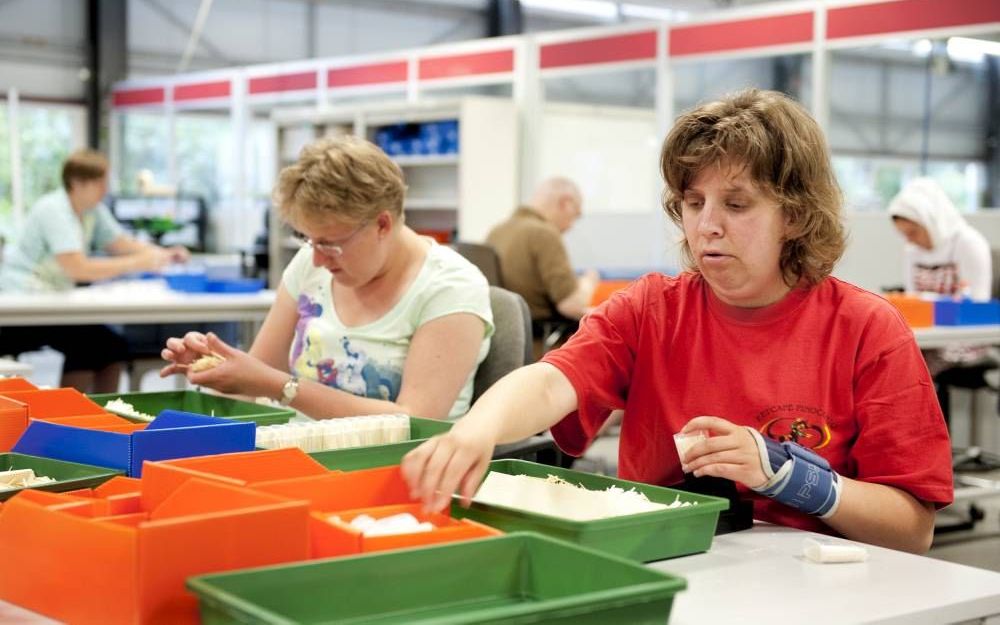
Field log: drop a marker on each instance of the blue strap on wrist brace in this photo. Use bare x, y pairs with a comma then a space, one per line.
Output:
797, 477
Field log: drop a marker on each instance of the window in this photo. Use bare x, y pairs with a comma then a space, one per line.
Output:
48, 133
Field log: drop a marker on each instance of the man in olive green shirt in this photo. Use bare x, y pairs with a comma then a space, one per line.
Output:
533, 259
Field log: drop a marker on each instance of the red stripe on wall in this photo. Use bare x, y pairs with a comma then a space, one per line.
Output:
757, 32
466, 64
202, 91
367, 74
283, 82
631, 47
154, 95
903, 15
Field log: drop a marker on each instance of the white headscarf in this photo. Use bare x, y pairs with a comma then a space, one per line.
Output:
924, 201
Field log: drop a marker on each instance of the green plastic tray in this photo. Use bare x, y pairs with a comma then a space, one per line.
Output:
643, 537
67, 475
200, 403
355, 458
519, 578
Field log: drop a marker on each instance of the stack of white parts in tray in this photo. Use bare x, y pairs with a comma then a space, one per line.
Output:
21, 478
341, 433
557, 497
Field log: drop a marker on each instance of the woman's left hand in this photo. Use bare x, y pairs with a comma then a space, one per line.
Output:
239, 372
730, 452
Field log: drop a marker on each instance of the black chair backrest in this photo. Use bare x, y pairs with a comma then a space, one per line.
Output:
482, 256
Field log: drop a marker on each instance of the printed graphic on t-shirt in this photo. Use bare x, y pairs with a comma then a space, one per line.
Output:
941, 278
804, 425
338, 361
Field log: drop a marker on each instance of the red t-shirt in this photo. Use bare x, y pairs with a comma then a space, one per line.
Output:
833, 367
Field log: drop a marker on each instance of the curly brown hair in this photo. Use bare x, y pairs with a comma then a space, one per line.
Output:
343, 178
785, 154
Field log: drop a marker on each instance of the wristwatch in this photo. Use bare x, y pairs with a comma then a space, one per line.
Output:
289, 390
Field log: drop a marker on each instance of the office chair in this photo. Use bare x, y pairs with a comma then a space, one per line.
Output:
511, 349
482, 256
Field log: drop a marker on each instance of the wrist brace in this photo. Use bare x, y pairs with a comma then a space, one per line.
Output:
797, 477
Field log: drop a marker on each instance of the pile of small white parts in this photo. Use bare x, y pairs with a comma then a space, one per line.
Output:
555, 496
342, 433
125, 409
206, 362
404, 523
21, 478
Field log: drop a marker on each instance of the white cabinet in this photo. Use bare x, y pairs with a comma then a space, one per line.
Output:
457, 194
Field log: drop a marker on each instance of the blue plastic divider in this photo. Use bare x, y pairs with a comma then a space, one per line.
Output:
173, 434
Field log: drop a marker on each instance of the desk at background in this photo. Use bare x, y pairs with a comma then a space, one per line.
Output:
144, 301
942, 336
135, 302
759, 576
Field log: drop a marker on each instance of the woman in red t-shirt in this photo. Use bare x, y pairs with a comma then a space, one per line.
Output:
822, 408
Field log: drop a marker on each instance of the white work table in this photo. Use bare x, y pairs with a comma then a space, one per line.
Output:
144, 301
943, 336
761, 576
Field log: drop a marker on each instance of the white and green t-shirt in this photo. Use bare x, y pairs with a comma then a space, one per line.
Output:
368, 360
51, 228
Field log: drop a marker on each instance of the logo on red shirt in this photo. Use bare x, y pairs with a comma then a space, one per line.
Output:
804, 425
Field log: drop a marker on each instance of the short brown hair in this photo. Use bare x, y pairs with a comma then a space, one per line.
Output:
83, 166
784, 152
341, 177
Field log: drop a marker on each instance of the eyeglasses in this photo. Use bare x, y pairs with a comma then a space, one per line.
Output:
331, 249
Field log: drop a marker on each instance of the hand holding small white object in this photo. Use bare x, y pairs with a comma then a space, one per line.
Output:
685, 440
784, 471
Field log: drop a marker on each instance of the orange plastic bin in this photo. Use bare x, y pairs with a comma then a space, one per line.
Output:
67, 558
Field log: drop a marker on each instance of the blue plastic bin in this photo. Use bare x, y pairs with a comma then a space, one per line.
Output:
187, 282
966, 313
173, 434
234, 285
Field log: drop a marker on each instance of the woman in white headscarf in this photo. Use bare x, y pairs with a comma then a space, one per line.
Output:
944, 254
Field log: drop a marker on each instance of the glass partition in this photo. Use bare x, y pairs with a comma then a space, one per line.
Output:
696, 82
907, 108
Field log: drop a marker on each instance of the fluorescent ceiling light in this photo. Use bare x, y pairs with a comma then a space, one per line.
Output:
646, 12
972, 50
592, 8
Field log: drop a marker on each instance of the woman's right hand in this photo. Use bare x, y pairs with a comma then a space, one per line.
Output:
181, 352
455, 461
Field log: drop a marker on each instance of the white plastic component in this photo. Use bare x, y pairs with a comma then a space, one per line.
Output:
561, 499
340, 433
829, 552
123, 408
403, 523
685, 441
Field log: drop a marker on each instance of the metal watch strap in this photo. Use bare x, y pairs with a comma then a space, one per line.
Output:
289, 391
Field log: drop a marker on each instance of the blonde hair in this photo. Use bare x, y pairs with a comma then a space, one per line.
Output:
344, 178
83, 166
784, 152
